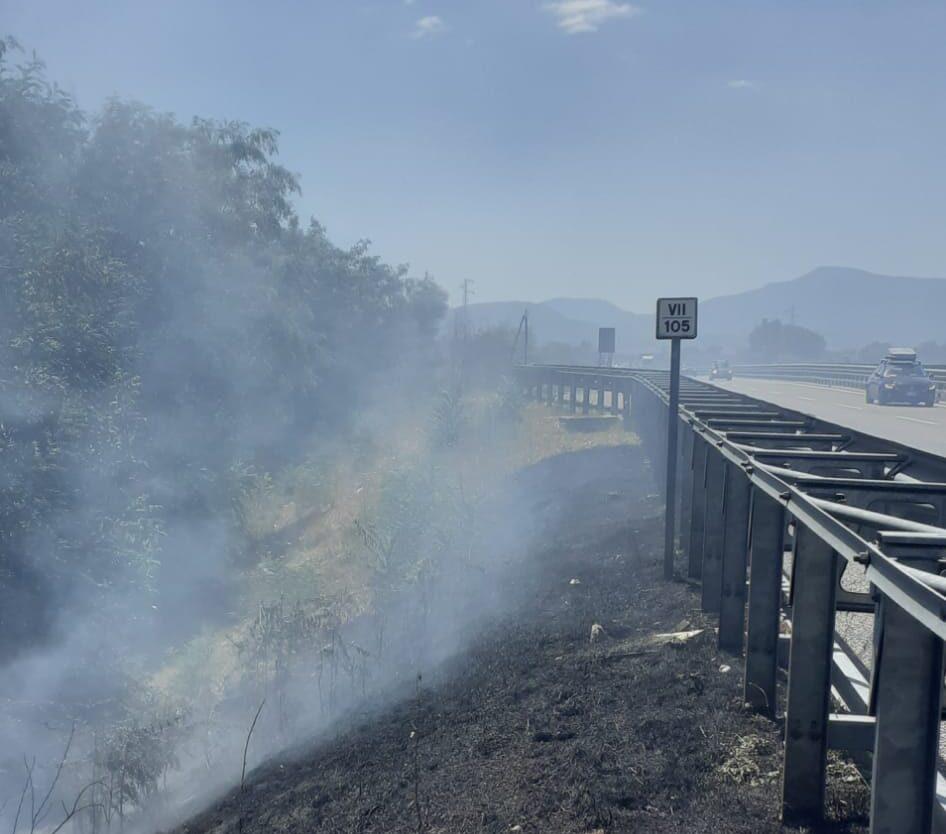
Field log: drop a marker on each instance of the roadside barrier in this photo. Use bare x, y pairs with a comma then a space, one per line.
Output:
835, 376
774, 507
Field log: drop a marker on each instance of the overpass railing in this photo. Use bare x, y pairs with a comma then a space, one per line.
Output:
835, 375
776, 507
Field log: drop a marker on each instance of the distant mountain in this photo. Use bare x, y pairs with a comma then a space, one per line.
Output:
569, 320
545, 323
849, 307
604, 313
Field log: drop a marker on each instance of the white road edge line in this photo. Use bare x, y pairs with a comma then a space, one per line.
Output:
916, 420
853, 391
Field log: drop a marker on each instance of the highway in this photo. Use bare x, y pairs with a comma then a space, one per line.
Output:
923, 428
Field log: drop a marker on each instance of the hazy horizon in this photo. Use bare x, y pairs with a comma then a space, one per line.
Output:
455, 303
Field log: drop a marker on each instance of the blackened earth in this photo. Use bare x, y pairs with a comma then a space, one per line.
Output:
538, 728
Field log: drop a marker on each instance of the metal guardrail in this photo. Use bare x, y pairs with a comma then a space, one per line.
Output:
837, 375
759, 482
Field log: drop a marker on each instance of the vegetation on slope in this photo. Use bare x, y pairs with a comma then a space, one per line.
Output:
177, 345
225, 481
170, 330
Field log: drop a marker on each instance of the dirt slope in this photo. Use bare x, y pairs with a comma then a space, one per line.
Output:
537, 728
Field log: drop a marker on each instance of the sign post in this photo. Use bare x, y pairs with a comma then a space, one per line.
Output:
605, 346
676, 320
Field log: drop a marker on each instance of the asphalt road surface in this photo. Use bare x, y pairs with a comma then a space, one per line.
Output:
922, 428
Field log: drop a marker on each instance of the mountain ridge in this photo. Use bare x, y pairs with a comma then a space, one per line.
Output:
850, 307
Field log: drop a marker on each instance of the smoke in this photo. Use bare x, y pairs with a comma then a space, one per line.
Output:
228, 476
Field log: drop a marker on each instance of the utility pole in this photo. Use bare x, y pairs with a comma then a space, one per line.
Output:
522, 330
467, 292
525, 344
464, 335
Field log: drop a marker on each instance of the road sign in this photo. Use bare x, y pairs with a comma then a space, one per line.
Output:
605, 340
676, 318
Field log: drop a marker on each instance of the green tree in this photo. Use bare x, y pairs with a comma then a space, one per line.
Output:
774, 341
167, 320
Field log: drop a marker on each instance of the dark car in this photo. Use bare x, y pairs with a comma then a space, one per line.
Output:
721, 370
900, 378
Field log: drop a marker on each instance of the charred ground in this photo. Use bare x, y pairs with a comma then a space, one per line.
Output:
539, 728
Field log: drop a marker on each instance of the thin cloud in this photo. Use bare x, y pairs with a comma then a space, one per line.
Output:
577, 16
742, 84
428, 27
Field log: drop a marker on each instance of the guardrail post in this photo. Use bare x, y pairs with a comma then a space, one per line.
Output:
697, 508
572, 397
909, 686
586, 398
660, 446
767, 528
712, 566
614, 398
732, 610
686, 486
814, 575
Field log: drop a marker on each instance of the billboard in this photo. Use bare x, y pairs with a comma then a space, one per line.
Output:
605, 340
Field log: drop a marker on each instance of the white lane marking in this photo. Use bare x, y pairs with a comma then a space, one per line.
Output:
810, 399
916, 420
857, 392
852, 407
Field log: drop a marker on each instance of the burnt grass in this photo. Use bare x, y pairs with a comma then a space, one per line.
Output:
538, 728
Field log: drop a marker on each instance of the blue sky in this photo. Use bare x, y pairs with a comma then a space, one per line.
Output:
581, 148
